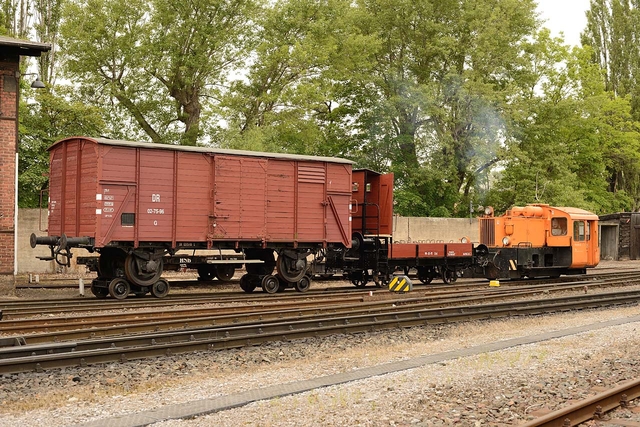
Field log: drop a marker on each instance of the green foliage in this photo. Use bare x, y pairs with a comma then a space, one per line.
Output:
155, 61
467, 102
50, 118
574, 134
307, 51
441, 80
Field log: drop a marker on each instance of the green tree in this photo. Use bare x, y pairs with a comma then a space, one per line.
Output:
50, 118
48, 15
158, 62
442, 79
572, 133
287, 101
613, 33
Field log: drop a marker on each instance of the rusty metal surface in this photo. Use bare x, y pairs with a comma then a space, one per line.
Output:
590, 408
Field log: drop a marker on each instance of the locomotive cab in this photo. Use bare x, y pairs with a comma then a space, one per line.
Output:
539, 240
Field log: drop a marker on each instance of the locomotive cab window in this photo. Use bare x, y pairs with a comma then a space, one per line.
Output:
128, 219
578, 231
558, 226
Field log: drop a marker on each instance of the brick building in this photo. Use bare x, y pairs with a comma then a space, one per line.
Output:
10, 52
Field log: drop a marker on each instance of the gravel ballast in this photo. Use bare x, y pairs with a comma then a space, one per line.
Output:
498, 388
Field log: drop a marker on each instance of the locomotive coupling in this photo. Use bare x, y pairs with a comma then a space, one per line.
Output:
43, 240
63, 241
60, 246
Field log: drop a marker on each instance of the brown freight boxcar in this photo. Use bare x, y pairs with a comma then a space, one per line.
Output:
134, 202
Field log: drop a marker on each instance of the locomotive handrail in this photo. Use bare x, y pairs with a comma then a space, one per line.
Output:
364, 218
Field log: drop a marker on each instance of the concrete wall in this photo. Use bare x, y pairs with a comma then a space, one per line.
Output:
405, 229
28, 222
425, 230
31, 221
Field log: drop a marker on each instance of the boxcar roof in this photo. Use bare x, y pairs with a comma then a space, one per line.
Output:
156, 146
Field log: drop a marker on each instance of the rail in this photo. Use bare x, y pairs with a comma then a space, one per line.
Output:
590, 408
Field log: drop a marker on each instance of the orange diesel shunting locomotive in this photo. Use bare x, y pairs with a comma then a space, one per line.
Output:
538, 240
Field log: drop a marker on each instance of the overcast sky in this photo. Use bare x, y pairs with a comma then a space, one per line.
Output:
566, 16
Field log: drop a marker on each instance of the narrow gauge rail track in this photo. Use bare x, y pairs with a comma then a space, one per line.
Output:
22, 309
47, 329
123, 348
593, 407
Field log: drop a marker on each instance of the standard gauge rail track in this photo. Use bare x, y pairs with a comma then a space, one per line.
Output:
102, 325
21, 358
199, 312
25, 308
28, 319
591, 408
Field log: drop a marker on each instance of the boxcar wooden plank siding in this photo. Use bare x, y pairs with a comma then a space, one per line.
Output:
280, 194
252, 204
156, 196
89, 183
195, 196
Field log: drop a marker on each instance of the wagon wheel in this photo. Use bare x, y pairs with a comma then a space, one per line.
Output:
270, 284
289, 270
99, 291
359, 278
160, 289
206, 272
225, 272
247, 284
303, 284
119, 288
425, 275
111, 263
265, 255
142, 272
383, 280
449, 276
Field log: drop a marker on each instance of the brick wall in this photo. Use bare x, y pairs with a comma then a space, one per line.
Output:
8, 139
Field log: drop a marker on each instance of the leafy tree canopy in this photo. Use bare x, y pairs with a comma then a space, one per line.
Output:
467, 102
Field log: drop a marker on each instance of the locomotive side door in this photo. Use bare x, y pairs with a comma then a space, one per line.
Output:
593, 247
580, 244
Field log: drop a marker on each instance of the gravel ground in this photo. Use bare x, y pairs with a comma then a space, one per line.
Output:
500, 388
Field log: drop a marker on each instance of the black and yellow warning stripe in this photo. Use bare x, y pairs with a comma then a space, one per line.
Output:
400, 284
